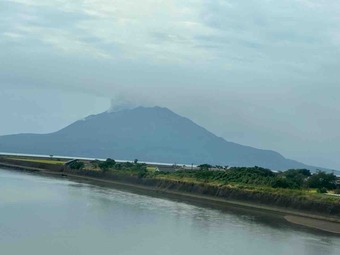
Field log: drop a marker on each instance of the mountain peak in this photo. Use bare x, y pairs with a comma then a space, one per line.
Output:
141, 108
152, 108
148, 133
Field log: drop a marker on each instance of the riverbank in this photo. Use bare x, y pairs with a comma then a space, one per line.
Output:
196, 192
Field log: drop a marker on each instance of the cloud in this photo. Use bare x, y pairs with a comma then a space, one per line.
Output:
180, 32
267, 40
275, 33
263, 73
12, 36
130, 26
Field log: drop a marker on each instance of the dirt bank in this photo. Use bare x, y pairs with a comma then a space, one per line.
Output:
314, 223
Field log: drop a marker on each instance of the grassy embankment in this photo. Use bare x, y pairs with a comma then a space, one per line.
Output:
303, 193
299, 184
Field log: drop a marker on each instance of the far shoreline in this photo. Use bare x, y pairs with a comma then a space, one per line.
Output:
330, 225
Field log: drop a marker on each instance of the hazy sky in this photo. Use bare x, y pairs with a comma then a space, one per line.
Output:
263, 73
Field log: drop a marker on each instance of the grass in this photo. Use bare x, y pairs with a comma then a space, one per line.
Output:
151, 168
303, 194
44, 161
308, 194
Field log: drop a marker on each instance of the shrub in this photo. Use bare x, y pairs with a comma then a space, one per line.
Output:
77, 165
205, 167
106, 165
321, 190
142, 173
281, 182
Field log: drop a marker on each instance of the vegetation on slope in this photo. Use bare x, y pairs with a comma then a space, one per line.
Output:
293, 182
295, 188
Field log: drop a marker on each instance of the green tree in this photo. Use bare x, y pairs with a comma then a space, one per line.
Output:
107, 165
322, 180
78, 165
110, 162
118, 166
321, 190
285, 183
205, 167
296, 177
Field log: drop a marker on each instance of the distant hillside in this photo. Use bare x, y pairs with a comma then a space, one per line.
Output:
149, 134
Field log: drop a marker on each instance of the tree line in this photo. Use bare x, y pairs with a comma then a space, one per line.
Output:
290, 179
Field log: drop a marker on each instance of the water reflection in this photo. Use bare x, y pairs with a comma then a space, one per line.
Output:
55, 216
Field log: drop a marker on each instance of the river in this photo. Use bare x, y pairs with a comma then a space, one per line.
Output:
46, 215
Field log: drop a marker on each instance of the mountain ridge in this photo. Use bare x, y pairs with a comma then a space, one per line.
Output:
149, 134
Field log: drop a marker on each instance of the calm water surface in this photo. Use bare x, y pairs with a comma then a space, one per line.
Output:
42, 215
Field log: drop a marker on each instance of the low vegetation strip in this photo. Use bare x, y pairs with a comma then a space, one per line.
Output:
44, 161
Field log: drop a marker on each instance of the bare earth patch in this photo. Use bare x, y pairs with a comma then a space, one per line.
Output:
328, 226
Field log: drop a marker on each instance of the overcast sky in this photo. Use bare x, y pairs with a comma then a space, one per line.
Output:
262, 73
